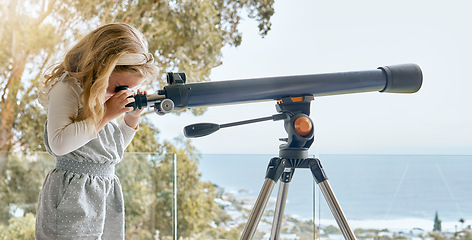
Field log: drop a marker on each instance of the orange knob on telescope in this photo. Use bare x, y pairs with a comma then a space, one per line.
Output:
303, 126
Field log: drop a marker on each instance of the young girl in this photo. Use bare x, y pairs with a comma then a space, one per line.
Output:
81, 197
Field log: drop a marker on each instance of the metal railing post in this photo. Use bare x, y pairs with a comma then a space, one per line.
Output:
174, 198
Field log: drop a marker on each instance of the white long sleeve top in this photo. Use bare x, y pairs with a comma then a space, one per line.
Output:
63, 134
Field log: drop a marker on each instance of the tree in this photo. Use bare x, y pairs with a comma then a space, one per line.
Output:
462, 221
437, 223
20, 188
183, 35
19, 228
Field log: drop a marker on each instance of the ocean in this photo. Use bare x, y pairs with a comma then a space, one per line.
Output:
374, 191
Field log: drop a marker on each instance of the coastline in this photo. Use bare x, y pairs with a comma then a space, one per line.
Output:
238, 207
380, 194
397, 225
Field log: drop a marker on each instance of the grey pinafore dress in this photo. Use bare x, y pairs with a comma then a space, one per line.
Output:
81, 197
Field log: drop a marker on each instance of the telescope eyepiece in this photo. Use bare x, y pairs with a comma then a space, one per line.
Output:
119, 88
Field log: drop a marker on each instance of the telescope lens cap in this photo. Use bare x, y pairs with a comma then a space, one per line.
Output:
403, 78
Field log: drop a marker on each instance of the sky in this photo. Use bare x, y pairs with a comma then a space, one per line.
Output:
312, 37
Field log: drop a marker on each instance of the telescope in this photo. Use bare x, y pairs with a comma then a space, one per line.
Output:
403, 78
293, 95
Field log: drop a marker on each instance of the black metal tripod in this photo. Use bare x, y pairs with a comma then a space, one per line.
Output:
292, 155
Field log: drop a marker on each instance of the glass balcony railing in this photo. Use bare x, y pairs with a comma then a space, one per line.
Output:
175, 196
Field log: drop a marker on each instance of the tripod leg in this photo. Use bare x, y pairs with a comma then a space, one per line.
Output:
258, 209
336, 210
274, 171
281, 201
322, 180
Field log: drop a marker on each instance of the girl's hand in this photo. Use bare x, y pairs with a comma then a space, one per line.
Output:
116, 104
132, 118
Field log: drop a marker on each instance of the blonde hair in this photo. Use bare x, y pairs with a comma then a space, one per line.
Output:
94, 58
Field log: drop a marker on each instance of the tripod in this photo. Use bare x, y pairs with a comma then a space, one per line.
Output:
292, 155
295, 112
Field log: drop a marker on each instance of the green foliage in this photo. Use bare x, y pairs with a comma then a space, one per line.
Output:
148, 186
195, 200
146, 139
20, 186
135, 176
29, 125
234, 233
19, 228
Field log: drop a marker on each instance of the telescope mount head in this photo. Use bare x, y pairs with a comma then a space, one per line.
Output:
298, 126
